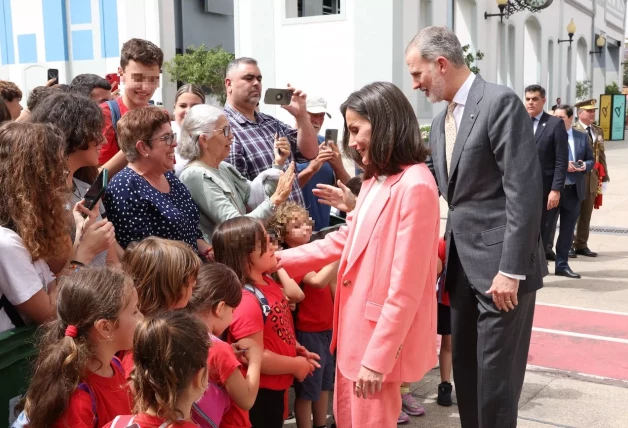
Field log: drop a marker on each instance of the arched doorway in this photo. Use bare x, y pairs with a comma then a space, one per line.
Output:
583, 58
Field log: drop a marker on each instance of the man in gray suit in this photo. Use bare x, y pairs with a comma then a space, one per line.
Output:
485, 162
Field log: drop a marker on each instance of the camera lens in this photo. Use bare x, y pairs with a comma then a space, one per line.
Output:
278, 97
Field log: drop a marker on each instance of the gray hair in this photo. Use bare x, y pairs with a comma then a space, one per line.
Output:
233, 65
200, 119
434, 41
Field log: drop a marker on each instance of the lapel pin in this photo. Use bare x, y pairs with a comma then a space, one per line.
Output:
472, 116
544, 124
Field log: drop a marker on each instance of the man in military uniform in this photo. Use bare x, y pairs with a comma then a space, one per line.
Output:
586, 116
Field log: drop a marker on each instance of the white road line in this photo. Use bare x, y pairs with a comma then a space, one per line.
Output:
581, 335
601, 311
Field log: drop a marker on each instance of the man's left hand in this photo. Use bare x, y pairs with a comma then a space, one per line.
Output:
297, 106
553, 199
504, 292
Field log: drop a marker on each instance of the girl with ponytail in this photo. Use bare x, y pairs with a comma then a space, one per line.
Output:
77, 381
170, 374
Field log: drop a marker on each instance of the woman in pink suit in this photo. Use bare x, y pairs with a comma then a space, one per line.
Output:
385, 310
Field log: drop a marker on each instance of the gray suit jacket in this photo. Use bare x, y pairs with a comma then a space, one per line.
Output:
494, 188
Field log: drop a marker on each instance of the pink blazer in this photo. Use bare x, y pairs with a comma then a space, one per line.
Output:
385, 305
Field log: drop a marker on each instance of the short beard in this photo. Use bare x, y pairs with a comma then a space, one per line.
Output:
437, 91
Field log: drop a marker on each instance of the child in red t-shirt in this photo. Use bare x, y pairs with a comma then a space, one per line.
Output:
230, 394
164, 274
314, 318
263, 316
443, 327
96, 316
170, 355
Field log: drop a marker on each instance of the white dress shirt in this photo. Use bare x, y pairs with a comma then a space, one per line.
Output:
461, 100
368, 200
537, 121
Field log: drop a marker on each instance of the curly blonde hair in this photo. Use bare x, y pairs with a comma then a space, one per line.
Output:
278, 223
33, 188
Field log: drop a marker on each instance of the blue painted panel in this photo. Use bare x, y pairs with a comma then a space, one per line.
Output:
27, 48
109, 44
55, 30
7, 50
80, 11
82, 45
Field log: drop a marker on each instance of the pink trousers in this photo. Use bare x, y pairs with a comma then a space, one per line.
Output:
377, 411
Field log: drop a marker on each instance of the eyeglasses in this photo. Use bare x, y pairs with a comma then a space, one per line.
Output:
225, 131
168, 138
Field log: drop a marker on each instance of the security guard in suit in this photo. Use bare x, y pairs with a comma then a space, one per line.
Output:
586, 116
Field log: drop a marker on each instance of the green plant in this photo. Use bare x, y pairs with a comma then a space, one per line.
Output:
202, 67
425, 133
612, 89
470, 58
582, 89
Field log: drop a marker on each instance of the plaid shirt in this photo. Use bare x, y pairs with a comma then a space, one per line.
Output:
252, 150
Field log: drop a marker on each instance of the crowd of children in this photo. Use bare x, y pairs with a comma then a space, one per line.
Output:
167, 341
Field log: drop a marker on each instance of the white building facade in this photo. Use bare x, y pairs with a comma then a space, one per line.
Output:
333, 47
78, 36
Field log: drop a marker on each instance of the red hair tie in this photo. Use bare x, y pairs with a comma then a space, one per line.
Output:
71, 331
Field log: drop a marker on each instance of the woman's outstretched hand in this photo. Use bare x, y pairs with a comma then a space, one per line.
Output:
338, 197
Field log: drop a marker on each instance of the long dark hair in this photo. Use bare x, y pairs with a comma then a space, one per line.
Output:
84, 297
395, 133
168, 350
235, 240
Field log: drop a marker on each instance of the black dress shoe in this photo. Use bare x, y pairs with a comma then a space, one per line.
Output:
567, 273
550, 256
572, 253
586, 252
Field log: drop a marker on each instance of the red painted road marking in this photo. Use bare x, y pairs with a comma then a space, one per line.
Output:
581, 340
589, 356
578, 321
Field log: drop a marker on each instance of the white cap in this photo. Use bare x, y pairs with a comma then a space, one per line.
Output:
316, 105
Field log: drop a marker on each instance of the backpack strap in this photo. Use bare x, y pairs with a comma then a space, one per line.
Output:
85, 387
122, 421
115, 114
11, 312
116, 362
263, 302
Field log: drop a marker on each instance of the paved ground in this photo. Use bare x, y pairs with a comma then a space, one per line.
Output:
578, 361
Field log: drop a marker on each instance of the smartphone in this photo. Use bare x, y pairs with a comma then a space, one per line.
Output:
53, 73
113, 78
331, 135
96, 190
281, 97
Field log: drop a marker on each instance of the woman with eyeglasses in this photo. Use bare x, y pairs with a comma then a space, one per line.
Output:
218, 189
146, 198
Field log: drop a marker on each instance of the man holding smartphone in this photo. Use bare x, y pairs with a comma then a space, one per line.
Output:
326, 168
254, 148
573, 192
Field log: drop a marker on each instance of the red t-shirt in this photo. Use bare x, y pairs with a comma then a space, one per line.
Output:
222, 362
126, 357
316, 310
148, 421
110, 148
112, 396
278, 332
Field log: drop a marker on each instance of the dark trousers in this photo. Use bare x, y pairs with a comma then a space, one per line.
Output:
568, 210
490, 351
267, 412
545, 230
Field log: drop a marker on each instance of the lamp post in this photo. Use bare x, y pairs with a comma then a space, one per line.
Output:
600, 42
501, 4
571, 30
